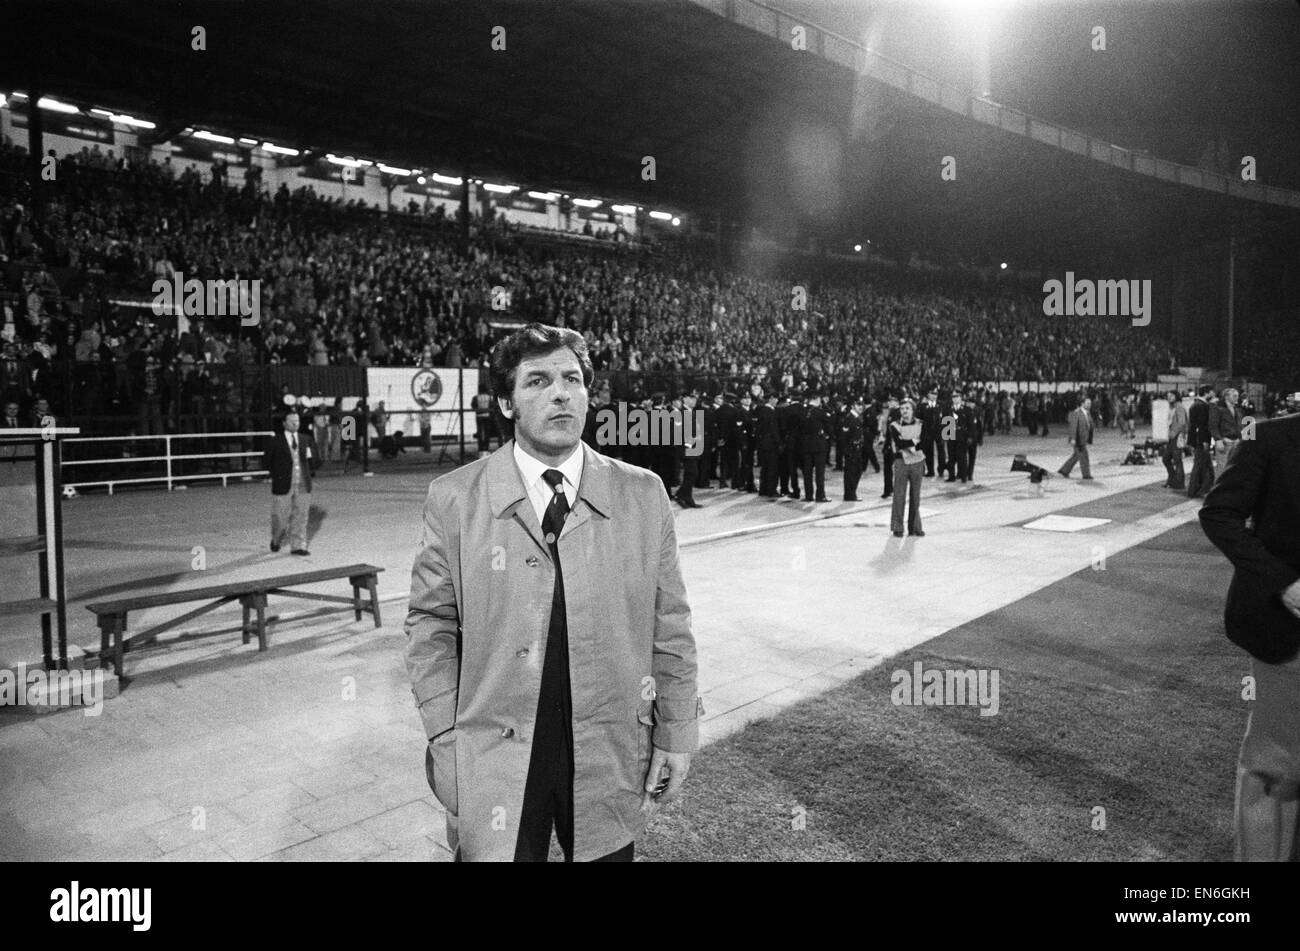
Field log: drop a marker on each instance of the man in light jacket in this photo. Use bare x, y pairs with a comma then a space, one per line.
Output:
549, 636
1173, 454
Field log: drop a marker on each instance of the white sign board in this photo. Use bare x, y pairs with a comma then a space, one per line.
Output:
409, 392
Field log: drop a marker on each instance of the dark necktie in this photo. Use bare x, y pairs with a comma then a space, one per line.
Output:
556, 511
294, 442
550, 769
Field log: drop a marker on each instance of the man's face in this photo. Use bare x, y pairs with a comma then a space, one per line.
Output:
11, 410
548, 403
290, 422
42, 408
1230, 397
1087, 405
956, 401
905, 412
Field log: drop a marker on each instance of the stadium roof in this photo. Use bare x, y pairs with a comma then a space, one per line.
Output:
736, 120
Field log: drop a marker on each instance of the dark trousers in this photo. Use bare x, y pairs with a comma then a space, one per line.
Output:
1202, 477
934, 453
814, 462
690, 469
744, 478
768, 461
852, 473
1080, 455
705, 468
730, 462
792, 463
971, 447
1173, 460
1031, 420
888, 455
907, 494
958, 457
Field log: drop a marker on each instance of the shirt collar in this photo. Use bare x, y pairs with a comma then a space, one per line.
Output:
532, 468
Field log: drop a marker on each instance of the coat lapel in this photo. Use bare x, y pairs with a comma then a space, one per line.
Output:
509, 497
594, 491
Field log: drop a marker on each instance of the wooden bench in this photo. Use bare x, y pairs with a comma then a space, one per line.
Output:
252, 594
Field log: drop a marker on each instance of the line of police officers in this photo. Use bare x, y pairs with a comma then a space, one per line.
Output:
790, 438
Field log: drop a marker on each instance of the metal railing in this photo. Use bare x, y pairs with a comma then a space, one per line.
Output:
170, 477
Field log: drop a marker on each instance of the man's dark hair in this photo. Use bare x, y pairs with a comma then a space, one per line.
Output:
535, 340
1206, 390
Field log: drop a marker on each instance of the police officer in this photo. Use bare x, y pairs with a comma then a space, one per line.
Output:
767, 441
853, 437
744, 480
689, 460
728, 449
791, 436
887, 415
814, 447
932, 443
708, 459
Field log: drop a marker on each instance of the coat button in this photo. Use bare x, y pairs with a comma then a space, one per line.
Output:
507, 733
532, 561
522, 652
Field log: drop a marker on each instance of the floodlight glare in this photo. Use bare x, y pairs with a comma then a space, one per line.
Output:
53, 105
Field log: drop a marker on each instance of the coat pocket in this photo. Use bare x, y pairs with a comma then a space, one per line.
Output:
440, 770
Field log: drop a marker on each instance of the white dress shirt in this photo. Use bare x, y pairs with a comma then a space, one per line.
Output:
539, 490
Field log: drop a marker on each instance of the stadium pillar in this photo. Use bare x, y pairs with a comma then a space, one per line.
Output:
35, 150
465, 185
1232, 301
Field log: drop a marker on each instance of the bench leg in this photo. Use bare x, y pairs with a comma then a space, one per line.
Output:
111, 648
356, 600
373, 586
119, 649
260, 603
105, 633
247, 611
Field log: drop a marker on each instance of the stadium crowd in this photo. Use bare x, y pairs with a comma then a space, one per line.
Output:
345, 284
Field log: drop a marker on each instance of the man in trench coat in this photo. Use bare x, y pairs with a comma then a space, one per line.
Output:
554, 670
1252, 515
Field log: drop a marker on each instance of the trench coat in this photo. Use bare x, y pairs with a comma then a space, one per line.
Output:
480, 606
1261, 483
